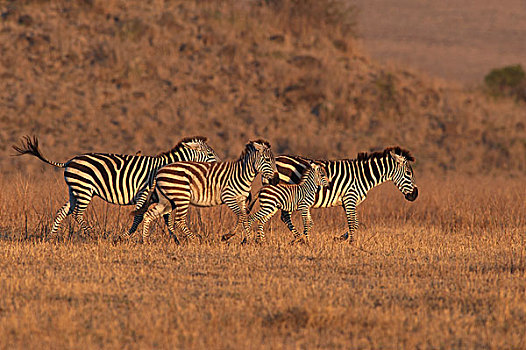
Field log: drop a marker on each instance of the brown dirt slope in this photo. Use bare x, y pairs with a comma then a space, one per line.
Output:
119, 76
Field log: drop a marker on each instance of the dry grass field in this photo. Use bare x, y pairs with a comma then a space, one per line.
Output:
446, 271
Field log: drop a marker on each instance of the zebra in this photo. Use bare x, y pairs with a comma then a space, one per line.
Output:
209, 184
351, 179
290, 198
118, 179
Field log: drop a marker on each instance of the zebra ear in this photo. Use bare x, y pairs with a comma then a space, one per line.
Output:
258, 146
399, 159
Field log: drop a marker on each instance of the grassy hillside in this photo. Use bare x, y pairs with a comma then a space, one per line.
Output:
122, 76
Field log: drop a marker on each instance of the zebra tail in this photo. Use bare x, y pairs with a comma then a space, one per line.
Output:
30, 146
144, 208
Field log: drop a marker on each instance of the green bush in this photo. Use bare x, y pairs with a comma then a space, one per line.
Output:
507, 81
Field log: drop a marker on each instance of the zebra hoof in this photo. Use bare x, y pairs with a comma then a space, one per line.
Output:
192, 237
295, 241
226, 237
176, 241
300, 240
342, 237
244, 241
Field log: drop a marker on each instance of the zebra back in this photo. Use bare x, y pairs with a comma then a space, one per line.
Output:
357, 175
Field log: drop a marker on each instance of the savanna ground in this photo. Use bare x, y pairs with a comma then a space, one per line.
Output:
446, 271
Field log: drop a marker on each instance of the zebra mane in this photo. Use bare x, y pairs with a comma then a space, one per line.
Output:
264, 142
364, 156
248, 145
180, 144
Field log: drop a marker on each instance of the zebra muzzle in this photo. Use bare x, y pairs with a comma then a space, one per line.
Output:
412, 196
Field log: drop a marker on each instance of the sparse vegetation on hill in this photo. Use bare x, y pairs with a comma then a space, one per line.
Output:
122, 76
507, 81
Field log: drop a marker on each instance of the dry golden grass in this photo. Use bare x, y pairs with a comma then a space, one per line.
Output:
446, 271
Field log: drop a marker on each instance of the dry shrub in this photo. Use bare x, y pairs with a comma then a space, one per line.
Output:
303, 15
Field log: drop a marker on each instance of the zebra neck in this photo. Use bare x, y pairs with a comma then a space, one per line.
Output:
373, 172
309, 186
244, 173
308, 181
376, 171
247, 169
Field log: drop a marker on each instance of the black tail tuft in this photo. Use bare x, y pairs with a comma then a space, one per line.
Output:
30, 146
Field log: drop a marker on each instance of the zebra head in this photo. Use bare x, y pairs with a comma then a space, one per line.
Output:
320, 175
402, 174
197, 150
264, 161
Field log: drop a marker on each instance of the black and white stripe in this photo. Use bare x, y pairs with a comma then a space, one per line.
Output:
351, 179
182, 184
117, 179
290, 198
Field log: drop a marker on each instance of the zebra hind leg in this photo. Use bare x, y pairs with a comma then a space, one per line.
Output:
180, 217
78, 214
61, 215
171, 228
155, 211
286, 218
260, 236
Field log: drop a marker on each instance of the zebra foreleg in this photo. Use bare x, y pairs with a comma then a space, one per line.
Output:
349, 206
307, 223
260, 237
237, 205
171, 228
142, 199
137, 219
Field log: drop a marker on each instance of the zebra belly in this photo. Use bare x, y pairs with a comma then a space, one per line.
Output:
205, 197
